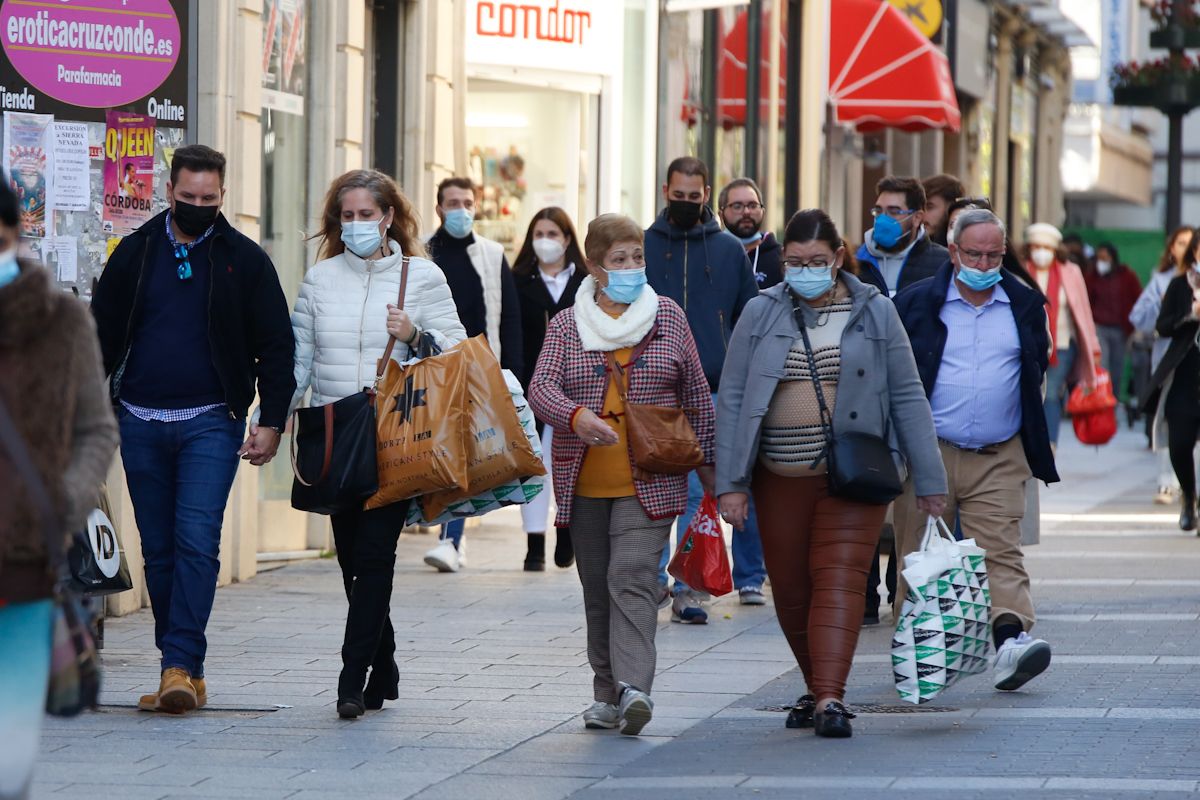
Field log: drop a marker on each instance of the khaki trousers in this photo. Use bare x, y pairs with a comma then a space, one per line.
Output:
987, 494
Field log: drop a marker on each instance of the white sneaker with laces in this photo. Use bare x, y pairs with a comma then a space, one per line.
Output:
1020, 660
1165, 496
636, 710
688, 608
602, 716
444, 557
752, 596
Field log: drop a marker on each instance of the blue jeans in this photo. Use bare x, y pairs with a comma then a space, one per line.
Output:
453, 530
26, 630
1056, 386
179, 476
748, 566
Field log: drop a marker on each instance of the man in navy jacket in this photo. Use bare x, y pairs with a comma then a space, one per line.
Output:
982, 345
705, 270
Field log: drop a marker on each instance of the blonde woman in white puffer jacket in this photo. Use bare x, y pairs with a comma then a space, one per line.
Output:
345, 312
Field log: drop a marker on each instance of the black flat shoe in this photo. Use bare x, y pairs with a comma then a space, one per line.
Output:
870, 617
1187, 514
833, 721
351, 707
564, 549
801, 715
535, 564
382, 688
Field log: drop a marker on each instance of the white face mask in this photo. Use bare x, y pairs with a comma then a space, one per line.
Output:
1104, 267
549, 251
1042, 257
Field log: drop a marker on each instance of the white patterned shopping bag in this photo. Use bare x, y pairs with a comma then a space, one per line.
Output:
943, 632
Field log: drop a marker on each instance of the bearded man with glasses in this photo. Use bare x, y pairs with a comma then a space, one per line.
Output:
897, 252
742, 214
982, 345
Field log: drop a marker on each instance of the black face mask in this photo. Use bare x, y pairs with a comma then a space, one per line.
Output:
684, 213
194, 220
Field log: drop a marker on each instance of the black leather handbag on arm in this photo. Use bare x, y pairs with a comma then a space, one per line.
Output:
860, 465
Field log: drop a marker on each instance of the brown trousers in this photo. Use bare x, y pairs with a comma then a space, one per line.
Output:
818, 551
987, 494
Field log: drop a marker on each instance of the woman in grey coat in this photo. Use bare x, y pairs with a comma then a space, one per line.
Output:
770, 440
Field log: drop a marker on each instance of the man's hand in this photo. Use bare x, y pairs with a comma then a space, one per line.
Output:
934, 505
261, 445
594, 431
735, 508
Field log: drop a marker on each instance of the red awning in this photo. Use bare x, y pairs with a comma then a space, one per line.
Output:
731, 73
883, 73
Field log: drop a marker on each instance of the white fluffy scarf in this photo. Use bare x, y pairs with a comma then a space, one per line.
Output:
600, 332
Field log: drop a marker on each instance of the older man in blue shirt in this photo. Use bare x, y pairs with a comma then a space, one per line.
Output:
982, 345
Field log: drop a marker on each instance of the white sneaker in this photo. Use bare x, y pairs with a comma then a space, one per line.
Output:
444, 558
688, 608
1019, 661
1165, 496
602, 716
636, 710
752, 596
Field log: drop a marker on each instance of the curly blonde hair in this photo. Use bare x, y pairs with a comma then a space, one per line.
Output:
405, 227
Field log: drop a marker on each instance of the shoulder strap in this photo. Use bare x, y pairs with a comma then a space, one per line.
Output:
826, 417
615, 369
391, 345
18, 451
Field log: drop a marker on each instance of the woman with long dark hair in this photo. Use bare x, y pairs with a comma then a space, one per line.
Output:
346, 311
548, 271
1178, 253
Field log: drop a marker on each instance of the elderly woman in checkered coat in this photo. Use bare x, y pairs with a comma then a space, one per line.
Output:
619, 524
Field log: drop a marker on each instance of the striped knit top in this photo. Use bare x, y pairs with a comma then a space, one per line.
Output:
792, 436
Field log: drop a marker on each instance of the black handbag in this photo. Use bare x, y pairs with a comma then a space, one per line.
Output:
860, 465
334, 445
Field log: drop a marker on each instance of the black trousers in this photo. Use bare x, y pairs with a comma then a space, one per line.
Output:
1182, 411
366, 551
873, 598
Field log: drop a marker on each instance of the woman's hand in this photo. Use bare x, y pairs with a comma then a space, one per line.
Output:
708, 479
594, 431
934, 504
398, 324
735, 508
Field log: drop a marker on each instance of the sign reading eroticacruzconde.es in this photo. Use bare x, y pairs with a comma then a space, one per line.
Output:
77, 58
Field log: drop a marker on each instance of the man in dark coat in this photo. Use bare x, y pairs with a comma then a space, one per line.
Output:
897, 252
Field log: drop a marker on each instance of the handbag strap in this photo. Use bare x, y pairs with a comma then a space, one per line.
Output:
327, 459
18, 451
826, 417
391, 345
618, 372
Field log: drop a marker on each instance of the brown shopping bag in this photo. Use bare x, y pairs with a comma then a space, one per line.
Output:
498, 447
422, 428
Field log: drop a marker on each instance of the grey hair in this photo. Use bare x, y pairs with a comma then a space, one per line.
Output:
976, 216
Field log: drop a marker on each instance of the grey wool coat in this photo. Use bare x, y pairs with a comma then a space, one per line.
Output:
878, 391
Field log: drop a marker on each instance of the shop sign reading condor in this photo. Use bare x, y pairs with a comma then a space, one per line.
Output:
76, 58
572, 35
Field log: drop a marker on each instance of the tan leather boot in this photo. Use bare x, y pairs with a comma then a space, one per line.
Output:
149, 702
176, 694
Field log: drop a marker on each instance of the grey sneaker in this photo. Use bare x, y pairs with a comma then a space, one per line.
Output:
1019, 660
752, 596
602, 716
688, 608
636, 710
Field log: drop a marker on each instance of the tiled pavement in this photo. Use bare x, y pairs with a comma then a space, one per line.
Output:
494, 676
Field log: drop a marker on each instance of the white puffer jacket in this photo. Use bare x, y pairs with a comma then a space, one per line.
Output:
341, 314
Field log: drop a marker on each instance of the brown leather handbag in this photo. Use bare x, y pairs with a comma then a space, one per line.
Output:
661, 440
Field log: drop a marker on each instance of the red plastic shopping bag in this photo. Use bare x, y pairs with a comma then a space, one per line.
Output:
700, 560
1093, 413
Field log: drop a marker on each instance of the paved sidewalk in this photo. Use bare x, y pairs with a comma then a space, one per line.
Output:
494, 676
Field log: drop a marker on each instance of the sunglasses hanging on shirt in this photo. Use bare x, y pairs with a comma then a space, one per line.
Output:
183, 251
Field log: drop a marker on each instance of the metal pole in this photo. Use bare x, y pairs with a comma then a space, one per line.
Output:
753, 86
708, 116
1174, 170
774, 217
791, 179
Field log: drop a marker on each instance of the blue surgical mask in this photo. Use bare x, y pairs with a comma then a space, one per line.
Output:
978, 279
887, 231
807, 282
458, 222
9, 268
625, 285
749, 240
362, 237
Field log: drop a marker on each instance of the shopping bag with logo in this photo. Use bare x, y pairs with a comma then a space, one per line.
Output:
1093, 413
700, 560
943, 632
96, 558
422, 428
498, 449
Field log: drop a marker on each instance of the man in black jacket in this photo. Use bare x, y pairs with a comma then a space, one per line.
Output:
982, 346
897, 251
742, 213
191, 316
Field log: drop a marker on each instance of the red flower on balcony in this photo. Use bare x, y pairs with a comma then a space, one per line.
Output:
1162, 12
1176, 67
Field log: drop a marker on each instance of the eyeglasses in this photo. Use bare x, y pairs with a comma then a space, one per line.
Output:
816, 264
976, 258
895, 212
184, 268
739, 207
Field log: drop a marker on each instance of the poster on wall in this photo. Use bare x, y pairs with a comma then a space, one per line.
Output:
128, 172
78, 60
284, 65
27, 167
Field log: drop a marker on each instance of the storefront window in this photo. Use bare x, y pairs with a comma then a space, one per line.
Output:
285, 170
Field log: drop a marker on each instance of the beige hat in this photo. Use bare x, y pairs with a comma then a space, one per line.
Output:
1044, 234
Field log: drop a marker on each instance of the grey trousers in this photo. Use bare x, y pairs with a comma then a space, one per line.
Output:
617, 549
1112, 342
